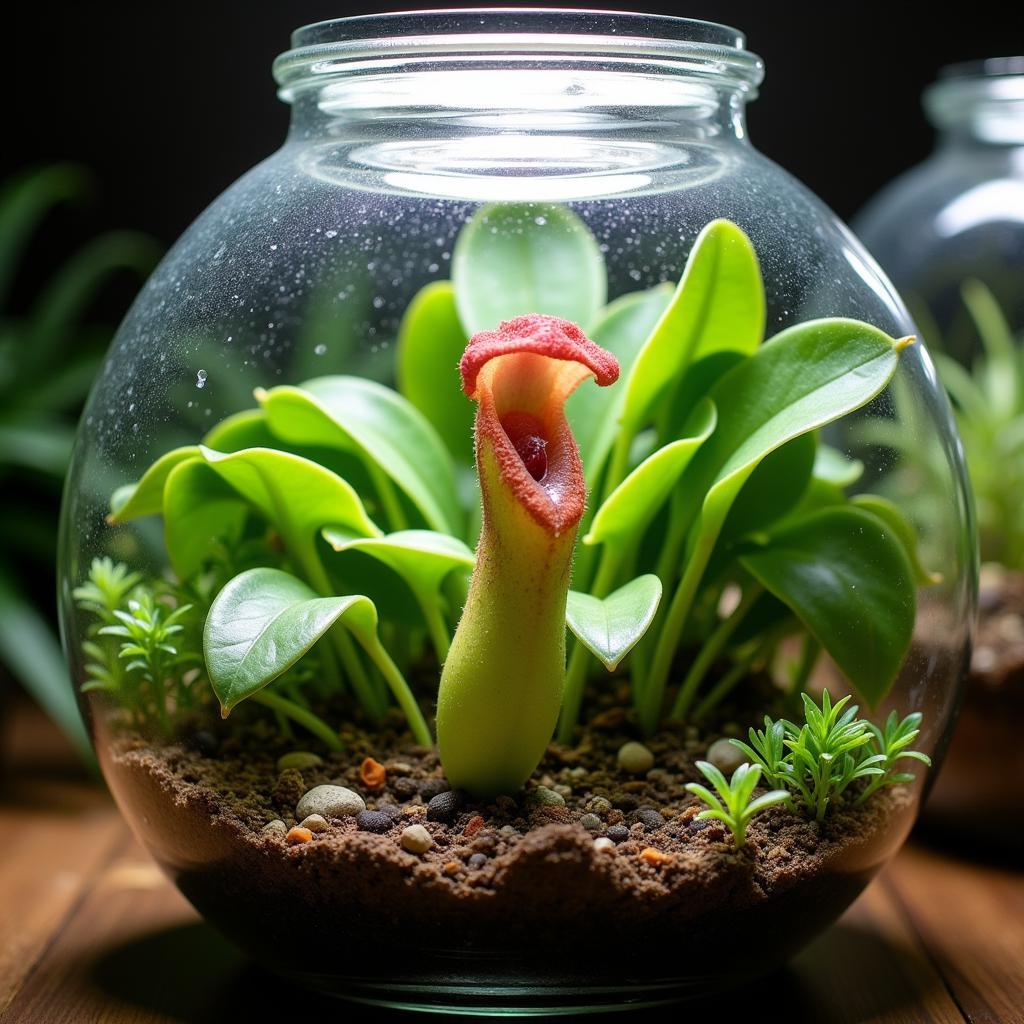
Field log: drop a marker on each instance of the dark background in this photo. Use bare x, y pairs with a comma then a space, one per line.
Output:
168, 104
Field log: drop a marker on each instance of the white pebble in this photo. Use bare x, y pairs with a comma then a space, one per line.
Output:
635, 758
330, 802
416, 839
603, 843
725, 756
315, 823
275, 828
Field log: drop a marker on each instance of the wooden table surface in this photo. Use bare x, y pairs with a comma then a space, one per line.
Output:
91, 931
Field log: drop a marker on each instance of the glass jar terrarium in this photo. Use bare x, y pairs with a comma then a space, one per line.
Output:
950, 233
467, 479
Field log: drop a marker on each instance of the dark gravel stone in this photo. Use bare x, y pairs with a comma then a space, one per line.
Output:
404, 788
617, 833
649, 818
477, 861
429, 788
390, 810
698, 825
373, 821
444, 806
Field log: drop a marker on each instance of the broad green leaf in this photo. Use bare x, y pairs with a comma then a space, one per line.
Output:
846, 575
804, 377
146, 497
422, 558
43, 446
382, 427
31, 652
717, 306
632, 505
298, 496
774, 487
834, 467
245, 429
199, 509
430, 344
516, 258
263, 621
593, 413
612, 627
892, 515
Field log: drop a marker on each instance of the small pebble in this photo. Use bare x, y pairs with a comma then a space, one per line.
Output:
275, 828
477, 861
508, 830
617, 833
603, 843
648, 817
315, 823
299, 759
372, 774
297, 834
429, 788
635, 758
390, 810
404, 788
599, 805
473, 825
591, 822
652, 856
373, 821
330, 802
563, 791
416, 839
545, 797
444, 806
453, 867
726, 756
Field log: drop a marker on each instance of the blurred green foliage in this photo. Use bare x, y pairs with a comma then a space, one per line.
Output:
50, 348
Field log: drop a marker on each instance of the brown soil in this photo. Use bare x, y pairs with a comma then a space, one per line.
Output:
523, 891
978, 792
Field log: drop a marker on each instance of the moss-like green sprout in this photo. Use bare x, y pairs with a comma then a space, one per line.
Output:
734, 805
331, 537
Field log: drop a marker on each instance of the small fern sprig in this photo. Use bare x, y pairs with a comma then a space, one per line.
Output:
735, 808
890, 743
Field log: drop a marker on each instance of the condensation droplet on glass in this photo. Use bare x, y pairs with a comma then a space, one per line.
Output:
201, 379
320, 349
330, 234
378, 302
540, 221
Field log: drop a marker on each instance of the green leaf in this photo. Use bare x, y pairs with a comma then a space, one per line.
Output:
834, 467
593, 413
41, 446
422, 558
804, 377
516, 258
146, 497
718, 306
381, 426
892, 515
846, 575
611, 628
631, 506
298, 496
263, 621
199, 509
32, 654
245, 429
430, 344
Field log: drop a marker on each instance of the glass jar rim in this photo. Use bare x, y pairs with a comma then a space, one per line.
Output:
367, 42
961, 90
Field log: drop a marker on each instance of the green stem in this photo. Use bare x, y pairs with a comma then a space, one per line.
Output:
619, 465
301, 715
400, 688
385, 489
668, 640
579, 660
436, 626
803, 670
714, 646
728, 682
